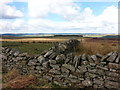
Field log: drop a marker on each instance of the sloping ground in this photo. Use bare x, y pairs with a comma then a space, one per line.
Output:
58, 65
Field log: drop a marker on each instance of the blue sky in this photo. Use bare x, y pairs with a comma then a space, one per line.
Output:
58, 17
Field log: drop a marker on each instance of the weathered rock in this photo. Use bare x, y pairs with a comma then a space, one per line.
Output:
90, 59
84, 57
41, 59
90, 75
117, 60
112, 57
52, 56
113, 66
99, 55
60, 58
38, 67
76, 61
98, 81
87, 83
70, 67
103, 68
113, 79
52, 61
56, 72
111, 84
82, 69
69, 58
112, 74
106, 56
48, 53
65, 70
55, 66
100, 72
72, 76
31, 62
96, 60
45, 64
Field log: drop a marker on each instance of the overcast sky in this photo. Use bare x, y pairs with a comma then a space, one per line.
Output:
58, 16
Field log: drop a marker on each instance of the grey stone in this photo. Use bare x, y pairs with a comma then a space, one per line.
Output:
45, 64
103, 68
31, 62
99, 55
69, 58
48, 53
112, 57
106, 56
52, 61
62, 48
52, 56
60, 58
112, 74
38, 67
49, 78
90, 75
117, 59
74, 80
96, 60
90, 59
112, 79
87, 83
70, 67
98, 81
113, 66
41, 59
92, 64
16, 53
111, 84
53, 71
84, 57
55, 66
100, 72
76, 61
64, 70
72, 76
23, 54
84, 63
82, 69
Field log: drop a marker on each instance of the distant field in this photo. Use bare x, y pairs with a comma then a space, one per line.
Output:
38, 39
89, 45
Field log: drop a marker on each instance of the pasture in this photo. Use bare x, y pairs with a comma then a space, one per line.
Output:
35, 46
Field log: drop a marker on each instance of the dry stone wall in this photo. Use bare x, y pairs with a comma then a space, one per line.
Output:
58, 65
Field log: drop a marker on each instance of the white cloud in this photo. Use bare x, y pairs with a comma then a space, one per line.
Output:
9, 12
42, 8
18, 25
83, 22
75, 21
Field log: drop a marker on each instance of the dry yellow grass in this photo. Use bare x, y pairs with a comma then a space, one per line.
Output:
37, 40
96, 47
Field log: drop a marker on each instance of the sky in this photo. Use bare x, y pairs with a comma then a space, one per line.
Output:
59, 16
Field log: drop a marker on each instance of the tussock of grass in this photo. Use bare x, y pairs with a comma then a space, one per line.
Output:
96, 47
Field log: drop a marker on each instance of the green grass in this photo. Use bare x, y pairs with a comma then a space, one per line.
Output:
30, 48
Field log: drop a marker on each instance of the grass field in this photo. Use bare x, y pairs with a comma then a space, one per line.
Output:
30, 48
86, 46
